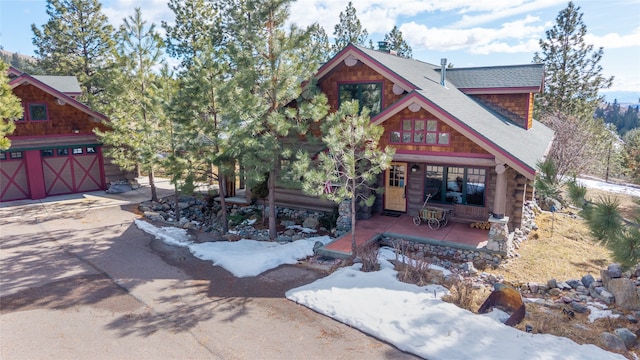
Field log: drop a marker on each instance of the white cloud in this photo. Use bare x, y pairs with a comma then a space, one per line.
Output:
522, 34
501, 10
153, 11
614, 40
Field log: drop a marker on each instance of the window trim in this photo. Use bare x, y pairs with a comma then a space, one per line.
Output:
426, 132
464, 186
46, 111
360, 83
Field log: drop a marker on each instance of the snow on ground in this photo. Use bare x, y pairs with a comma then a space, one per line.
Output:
605, 186
412, 318
242, 258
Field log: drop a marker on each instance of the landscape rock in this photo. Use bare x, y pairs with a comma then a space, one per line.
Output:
587, 280
311, 223
614, 271
552, 283
628, 338
625, 293
574, 283
612, 342
579, 308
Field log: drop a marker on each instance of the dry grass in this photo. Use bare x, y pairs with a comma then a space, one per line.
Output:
464, 295
562, 248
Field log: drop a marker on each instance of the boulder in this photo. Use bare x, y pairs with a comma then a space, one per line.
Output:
614, 271
552, 283
579, 308
587, 280
612, 342
625, 293
574, 283
628, 338
311, 223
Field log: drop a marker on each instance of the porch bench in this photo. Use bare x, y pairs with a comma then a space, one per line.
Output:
469, 214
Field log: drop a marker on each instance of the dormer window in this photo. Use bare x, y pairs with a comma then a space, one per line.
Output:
369, 95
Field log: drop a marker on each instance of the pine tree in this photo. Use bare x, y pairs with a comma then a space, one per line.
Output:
351, 162
137, 137
77, 41
196, 28
320, 42
573, 74
197, 106
397, 43
631, 154
265, 95
349, 30
10, 108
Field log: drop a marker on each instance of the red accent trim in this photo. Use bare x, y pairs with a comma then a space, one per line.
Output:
35, 174
507, 90
446, 154
26, 78
58, 176
360, 55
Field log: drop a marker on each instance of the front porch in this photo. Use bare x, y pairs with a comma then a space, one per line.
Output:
455, 235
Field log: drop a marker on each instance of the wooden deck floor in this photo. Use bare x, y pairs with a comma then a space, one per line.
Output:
379, 225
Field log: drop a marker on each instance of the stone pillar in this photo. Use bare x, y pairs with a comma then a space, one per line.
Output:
499, 237
500, 196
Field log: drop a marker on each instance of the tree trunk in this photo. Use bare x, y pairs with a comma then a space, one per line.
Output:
222, 185
272, 205
152, 184
177, 202
353, 221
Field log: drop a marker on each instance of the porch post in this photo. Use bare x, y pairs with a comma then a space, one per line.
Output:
500, 196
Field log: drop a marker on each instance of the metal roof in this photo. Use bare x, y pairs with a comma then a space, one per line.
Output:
65, 84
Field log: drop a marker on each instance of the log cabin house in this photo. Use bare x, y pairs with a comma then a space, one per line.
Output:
464, 136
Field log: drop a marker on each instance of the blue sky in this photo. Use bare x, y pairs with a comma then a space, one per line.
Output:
466, 32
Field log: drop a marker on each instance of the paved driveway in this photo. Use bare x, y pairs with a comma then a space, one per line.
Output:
82, 281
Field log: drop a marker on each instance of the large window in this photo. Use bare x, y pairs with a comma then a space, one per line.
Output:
456, 185
369, 95
420, 131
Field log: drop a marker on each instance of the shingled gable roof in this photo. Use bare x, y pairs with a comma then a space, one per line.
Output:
517, 147
24, 78
66, 84
498, 79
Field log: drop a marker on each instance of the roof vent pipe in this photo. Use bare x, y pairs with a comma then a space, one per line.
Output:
443, 70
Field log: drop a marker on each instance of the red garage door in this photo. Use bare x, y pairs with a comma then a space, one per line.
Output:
71, 170
14, 184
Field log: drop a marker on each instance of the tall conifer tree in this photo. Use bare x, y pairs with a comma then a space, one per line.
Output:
573, 75
397, 43
10, 107
197, 39
77, 41
137, 135
349, 30
269, 64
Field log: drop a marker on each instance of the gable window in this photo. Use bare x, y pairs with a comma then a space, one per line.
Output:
420, 131
369, 95
38, 112
456, 185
